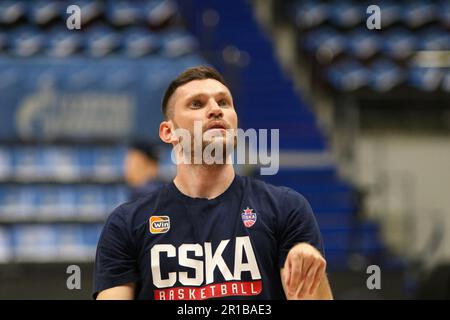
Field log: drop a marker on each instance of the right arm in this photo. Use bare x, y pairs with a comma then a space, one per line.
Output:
115, 270
123, 292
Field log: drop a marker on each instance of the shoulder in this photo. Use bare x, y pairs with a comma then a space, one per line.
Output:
133, 213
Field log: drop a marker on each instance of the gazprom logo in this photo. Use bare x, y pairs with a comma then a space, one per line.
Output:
159, 224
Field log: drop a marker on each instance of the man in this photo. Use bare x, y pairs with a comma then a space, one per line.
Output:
210, 233
141, 169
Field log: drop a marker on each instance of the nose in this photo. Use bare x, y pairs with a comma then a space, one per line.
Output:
214, 111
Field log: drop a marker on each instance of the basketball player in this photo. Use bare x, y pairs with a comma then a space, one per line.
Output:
210, 233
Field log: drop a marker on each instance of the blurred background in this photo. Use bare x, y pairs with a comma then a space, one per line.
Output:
364, 119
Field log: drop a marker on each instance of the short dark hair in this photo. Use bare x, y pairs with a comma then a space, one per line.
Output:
147, 148
190, 74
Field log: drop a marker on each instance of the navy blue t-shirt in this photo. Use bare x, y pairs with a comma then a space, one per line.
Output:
177, 247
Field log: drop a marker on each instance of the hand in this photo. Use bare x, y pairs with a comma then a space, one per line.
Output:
303, 271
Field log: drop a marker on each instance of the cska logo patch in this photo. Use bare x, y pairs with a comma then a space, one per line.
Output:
248, 217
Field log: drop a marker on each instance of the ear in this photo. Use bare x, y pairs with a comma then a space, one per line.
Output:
167, 132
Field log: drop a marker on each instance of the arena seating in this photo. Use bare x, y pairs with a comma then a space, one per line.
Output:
334, 35
57, 186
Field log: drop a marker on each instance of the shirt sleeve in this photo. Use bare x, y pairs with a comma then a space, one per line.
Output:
297, 224
115, 261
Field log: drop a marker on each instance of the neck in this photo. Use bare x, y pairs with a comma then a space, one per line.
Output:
203, 181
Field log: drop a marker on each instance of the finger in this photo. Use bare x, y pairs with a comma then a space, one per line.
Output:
288, 269
318, 277
310, 278
286, 274
307, 262
296, 274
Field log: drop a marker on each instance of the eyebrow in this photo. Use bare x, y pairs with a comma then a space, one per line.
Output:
202, 95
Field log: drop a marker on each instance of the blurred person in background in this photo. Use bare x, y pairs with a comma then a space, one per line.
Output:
141, 169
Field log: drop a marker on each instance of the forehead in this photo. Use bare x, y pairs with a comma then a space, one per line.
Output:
196, 87
134, 154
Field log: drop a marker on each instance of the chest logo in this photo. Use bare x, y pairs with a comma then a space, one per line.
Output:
248, 217
159, 224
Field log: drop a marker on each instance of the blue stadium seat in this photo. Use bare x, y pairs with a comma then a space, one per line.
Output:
306, 176
160, 12
55, 202
90, 10
369, 241
27, 201
385, 75
70, 243
26, 42
348, 75
140, 42
63, 43
44, 11
444, 13
363, 43
343, 242
337, 259
114, 196
399, 43
28, 163
326, 43
5, 245
108, 163
48, 201
34, 242
11, 11
3, 41
307, 14
8, 202
124, 13
341, 209
68, 201
86, 162
60, 163
177, 42
101, 41
419, 13
6, 167
91, 234
434, 39
336, 238
331, 199
3, 196
347, 14
391, 13
334, 219
90, 201
426, 79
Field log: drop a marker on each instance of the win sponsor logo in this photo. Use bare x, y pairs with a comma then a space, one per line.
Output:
159, 224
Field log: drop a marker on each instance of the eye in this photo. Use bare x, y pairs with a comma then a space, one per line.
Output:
196, 103
223, 103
